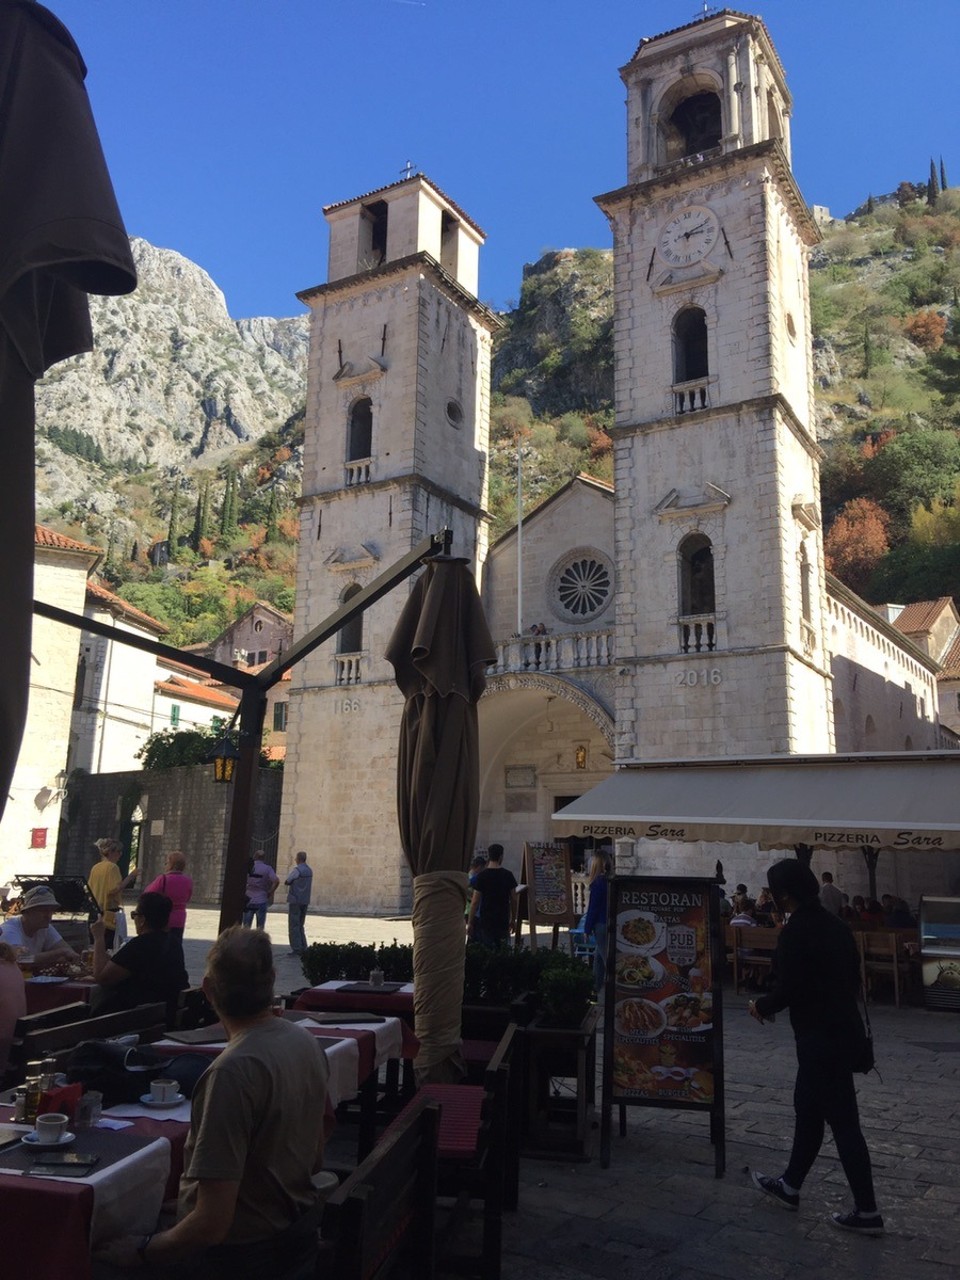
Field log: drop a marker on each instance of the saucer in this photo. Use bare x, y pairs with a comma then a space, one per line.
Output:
32, 1140
148, 1100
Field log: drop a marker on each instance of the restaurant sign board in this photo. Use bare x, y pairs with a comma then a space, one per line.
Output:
546, 872
663, 1018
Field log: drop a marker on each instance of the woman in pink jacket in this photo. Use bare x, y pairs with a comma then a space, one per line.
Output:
177, 887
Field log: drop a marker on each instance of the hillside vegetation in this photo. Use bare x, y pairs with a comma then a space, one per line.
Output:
185, 428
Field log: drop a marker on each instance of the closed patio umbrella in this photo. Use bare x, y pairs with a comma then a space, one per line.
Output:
440, 649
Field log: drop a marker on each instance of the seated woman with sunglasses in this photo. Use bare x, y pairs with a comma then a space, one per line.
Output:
147, 969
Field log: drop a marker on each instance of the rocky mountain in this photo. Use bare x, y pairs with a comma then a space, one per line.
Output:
173, 387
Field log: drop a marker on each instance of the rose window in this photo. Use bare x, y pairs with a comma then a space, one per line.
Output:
583, 587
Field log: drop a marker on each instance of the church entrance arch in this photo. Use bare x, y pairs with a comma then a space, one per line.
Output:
541, 737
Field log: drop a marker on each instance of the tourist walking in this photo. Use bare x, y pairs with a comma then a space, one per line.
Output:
494, 899
830, 895
178, 887
107, 885
816, 975
262, 880
299, 884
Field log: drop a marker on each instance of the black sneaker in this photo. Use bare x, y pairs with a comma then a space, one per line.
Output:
866, 1224
773, 1187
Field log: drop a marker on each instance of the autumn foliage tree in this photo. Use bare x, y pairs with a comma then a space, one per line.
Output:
926, 329
856, 542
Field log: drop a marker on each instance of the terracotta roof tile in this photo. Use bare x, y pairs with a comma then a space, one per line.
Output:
951, 662
192, 692
99, 593
920, 615
45, 537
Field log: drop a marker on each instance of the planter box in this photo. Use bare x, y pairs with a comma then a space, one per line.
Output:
562, 1126
481, 1021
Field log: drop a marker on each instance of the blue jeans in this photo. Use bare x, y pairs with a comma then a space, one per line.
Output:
258, 909
599, 955
296, 915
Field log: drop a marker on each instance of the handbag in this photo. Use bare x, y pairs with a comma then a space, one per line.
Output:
121, 1072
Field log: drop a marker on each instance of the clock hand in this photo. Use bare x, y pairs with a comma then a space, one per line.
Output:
694, 231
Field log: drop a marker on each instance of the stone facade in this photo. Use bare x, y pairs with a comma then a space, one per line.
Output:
395, 449
687, 613
156, 812
31, 817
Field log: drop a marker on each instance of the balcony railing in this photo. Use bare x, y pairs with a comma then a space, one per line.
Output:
358, 471
698, 633
688, 397
347, 668
566, 652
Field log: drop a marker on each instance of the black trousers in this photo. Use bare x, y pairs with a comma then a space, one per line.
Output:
824, 1094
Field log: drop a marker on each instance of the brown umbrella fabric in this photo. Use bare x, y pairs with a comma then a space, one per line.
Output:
440, 649
61, 237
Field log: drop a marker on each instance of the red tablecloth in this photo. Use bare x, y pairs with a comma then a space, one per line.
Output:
327, 999
42, 996
461, 1112
47, 1224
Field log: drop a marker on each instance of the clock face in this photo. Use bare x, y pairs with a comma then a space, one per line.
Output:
688, 236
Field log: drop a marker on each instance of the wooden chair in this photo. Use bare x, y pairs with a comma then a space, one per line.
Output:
881, 956
761, 942
148, 1021
385, 1210
485, 1167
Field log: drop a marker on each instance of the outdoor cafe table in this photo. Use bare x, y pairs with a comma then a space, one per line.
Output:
360, 997
43, 994
50, 1224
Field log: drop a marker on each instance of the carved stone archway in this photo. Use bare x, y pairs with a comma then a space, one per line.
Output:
557, 687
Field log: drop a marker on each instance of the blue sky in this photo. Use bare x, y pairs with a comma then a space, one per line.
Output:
228, 124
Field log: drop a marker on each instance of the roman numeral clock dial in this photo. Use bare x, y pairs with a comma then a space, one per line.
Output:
689, 236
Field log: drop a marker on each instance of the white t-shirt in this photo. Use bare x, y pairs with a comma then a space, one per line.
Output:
43, 940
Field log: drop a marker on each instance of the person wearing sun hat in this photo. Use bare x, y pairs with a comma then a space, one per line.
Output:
32, 933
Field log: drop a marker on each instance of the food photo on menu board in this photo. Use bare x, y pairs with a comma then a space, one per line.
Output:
663, 1007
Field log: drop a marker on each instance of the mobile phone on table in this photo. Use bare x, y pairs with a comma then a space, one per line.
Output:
74, 1158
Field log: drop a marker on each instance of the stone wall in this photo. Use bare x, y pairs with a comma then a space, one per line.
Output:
182, 809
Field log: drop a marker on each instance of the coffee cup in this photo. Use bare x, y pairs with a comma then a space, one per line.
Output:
164, 1090
50, 1128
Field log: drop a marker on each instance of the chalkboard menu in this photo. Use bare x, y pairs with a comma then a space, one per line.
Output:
663, 1042
546, 871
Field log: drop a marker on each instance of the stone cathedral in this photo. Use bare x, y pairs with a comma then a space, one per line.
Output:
686, 611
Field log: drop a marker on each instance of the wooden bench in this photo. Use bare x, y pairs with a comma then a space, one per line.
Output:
32, 1022
385, 1210
148, 1021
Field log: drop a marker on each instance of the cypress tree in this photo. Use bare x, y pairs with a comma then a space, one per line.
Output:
870, 204
228, 516
943, 176
173, 529
933, 188
205, 511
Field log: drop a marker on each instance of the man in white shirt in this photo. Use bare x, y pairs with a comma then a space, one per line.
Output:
830, 895
31, 932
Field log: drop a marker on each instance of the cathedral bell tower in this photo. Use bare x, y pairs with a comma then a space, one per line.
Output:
721, 604
395, 447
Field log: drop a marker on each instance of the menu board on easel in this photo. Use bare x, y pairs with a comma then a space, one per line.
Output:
546, 873
663, 1001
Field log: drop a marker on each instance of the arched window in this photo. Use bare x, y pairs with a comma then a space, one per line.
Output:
697, 594
806, 570
698, 628
350, 637
695, 126
360, 434
689, 345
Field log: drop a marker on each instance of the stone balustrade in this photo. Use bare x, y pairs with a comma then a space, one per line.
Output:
347, 668
567, 651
